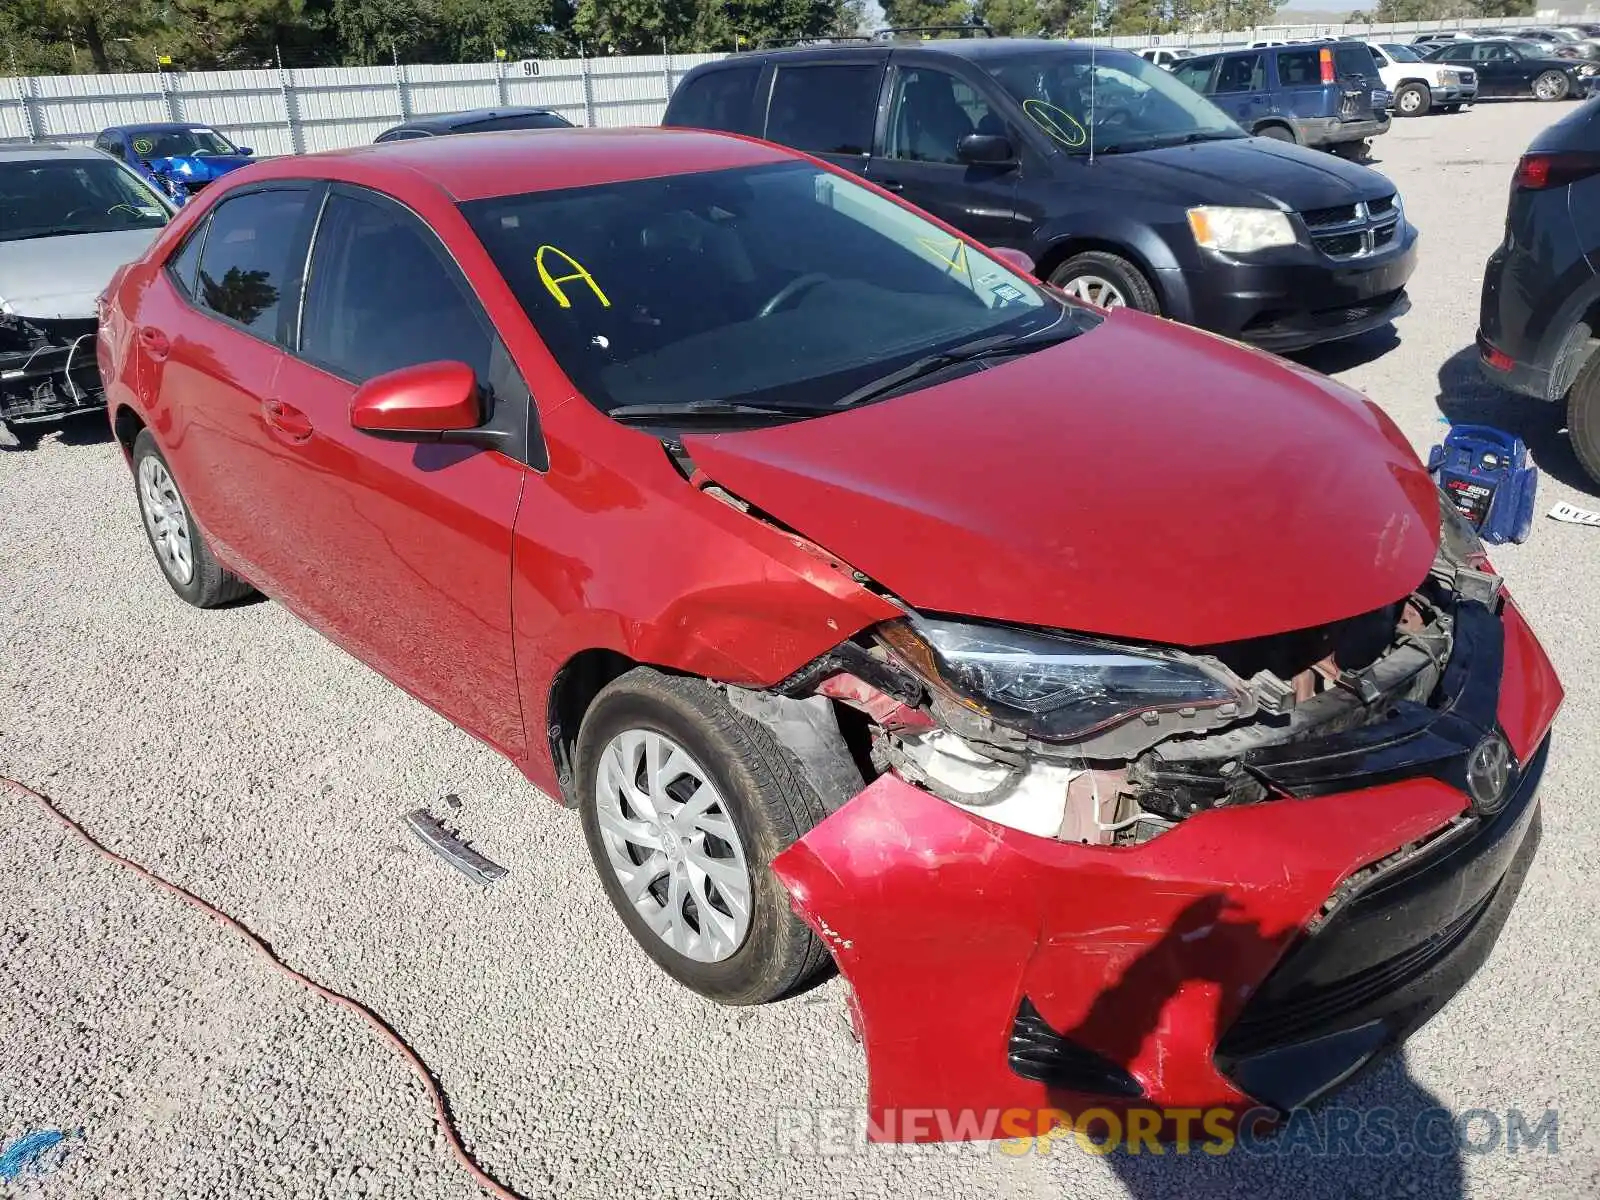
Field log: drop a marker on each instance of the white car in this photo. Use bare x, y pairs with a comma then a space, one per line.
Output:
1418, 85
1165, 56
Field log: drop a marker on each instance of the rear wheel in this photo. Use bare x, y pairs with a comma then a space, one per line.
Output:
685, 803
1412, 100
180, 548
1278, 133
1107, 280
1583, 417
1551, 85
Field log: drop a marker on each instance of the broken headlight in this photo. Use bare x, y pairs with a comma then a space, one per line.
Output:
1048, 685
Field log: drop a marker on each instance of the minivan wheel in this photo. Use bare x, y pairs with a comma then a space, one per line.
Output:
685, 802
1583, 418
180, 548
1551, 85
1108, 280
1412, 100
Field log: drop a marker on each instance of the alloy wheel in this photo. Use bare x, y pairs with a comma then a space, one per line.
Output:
1549, 86
671, 843
166, 519
1096, 289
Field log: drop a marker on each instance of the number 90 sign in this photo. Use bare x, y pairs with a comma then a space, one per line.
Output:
529, 66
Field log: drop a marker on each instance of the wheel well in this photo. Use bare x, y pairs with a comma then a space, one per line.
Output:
1421, 83
1059, 252
1260, 125
127, 426
573, 691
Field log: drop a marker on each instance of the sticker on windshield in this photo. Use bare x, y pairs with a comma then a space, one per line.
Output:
553, 283
954, 257
143, 145
1057, 122
1006, 293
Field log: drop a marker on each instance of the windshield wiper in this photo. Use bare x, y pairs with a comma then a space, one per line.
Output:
989, 347
707, 408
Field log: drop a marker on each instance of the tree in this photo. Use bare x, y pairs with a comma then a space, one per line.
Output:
923, 13
1037, 18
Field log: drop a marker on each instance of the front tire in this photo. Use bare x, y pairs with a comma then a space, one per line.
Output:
1583, 418
1107, 280
1551, 85
685, 803
1413, 100
180, 548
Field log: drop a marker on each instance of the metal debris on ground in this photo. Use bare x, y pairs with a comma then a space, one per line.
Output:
449, 846
1574, 515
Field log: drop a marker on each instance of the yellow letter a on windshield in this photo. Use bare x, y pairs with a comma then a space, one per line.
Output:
553, 282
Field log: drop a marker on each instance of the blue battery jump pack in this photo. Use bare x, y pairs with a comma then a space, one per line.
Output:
1486, 474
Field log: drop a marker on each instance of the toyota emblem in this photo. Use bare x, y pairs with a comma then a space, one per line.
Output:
1489, 771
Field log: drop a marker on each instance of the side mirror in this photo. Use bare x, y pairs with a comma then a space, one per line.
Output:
246, 151
1014, 258
988, 149
432, 402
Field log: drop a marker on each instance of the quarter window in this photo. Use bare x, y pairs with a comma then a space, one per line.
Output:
381, 296
247, 266
825, 109
182, 264
1298, 68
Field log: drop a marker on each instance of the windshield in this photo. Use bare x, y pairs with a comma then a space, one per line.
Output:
180, 143
74, 195
1401, 53
775, 285
1126, 102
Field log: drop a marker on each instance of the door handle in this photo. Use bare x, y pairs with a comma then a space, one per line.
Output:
286, 419
892, 185
154, 342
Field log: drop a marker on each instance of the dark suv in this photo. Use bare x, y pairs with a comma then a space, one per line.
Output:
1539, 322
1122, 185
1318, 95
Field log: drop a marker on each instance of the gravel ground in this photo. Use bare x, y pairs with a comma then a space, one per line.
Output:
244, 757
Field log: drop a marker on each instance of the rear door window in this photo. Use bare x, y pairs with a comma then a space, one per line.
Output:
250, 264
716, 100
1299, 68
382, 296
829, 108
1242, 74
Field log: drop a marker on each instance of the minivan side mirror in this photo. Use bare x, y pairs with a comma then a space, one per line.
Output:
988, 149
431, 402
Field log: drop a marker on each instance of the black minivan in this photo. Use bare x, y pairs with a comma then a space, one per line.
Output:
1123, 185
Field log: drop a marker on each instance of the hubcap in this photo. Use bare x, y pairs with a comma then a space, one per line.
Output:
1410, 102
166, 519
672, 845
1096, 289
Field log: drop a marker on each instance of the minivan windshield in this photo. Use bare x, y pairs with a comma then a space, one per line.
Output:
40, 198
781, 286
1110, 101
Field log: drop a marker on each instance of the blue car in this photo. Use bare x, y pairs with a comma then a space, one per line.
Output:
179, 159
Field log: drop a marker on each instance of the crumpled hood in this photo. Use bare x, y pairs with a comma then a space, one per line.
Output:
201, 167
53, 277
1144, 480
1254, 172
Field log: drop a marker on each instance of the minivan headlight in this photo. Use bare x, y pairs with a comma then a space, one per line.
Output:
1240, 230
1048, 685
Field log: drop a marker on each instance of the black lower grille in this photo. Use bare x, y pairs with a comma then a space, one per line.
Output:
1339, 214
1038, 1052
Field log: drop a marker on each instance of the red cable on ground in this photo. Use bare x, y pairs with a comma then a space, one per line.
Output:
440, 1105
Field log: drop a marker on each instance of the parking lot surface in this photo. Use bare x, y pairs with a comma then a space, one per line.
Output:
244, 757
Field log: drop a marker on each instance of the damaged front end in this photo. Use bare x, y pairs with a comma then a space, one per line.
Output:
47, 368
1087, 873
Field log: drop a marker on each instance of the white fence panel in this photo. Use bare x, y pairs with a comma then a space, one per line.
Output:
324, 108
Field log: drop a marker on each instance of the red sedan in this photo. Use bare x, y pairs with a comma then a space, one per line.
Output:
1106, 700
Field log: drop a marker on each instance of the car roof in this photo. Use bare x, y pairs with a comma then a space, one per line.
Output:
973, 48
155, 127
506, 164
45, 151
471, 116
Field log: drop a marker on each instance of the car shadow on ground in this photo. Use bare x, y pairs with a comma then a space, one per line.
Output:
80, 429
1332, 357
1385, 1134
1467, 398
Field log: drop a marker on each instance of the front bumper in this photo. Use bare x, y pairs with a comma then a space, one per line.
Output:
1454, 93
1300, 300
998, 972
